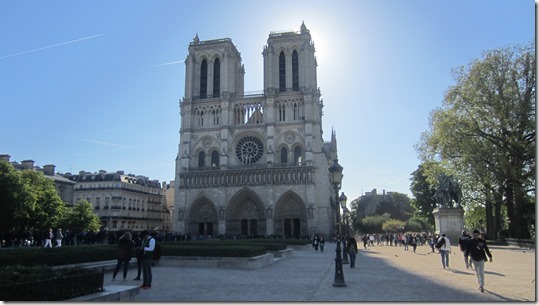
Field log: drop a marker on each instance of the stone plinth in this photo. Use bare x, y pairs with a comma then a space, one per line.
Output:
449, 221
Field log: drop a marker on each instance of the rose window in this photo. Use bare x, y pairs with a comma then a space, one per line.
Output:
249, 150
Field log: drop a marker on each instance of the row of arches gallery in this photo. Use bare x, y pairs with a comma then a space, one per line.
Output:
246, 214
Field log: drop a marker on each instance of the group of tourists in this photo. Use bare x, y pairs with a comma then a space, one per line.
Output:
147, 250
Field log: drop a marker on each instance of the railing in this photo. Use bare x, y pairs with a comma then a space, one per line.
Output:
247, 176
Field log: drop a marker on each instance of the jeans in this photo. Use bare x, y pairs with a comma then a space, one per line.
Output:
444, 254
468, 261
479, 267
352, 259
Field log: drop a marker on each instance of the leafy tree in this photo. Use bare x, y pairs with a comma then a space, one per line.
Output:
82, 218
17, 203
393, 225
49, 208
485, 131
413, 225
373, 223
423, 192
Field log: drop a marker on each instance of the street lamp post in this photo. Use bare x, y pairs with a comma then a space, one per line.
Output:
336, 178
342, 201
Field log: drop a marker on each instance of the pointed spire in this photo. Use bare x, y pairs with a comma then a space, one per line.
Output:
196, 40
303, 28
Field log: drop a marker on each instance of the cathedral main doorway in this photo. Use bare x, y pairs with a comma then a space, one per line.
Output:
290, 216
245, 215
202, 218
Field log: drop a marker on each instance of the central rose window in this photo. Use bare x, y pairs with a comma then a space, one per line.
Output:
249, 150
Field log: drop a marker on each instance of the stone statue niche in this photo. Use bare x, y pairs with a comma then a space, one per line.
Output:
447, 192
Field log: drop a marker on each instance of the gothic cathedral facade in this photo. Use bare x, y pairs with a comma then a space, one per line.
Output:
253, 164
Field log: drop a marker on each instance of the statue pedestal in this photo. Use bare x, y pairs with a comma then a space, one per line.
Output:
449, 221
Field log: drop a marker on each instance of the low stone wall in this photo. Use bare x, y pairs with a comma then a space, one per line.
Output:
282, 253
255, 262
111, 293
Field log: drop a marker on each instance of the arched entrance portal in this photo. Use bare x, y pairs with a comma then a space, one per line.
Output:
290, 215
203, 218
245, 214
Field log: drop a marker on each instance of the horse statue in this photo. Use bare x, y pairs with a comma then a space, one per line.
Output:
448, 191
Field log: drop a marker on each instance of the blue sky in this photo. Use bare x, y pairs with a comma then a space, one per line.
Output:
90, 85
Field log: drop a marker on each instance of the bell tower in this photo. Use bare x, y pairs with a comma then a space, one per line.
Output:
289, 62
213, 69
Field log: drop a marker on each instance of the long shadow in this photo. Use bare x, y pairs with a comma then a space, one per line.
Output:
494, 273
374, 272
505, 298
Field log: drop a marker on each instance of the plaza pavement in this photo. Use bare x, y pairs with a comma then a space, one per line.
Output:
382, 273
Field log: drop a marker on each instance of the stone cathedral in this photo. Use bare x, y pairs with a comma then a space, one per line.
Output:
253, 164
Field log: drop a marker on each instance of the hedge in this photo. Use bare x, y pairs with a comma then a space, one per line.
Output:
40, 283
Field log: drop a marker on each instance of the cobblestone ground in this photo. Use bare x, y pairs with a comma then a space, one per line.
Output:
382, 273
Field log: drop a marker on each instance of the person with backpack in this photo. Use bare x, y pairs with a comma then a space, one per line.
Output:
124, 254
444, 247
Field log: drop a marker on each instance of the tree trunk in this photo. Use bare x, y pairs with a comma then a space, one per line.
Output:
498, 204
521, 224
509, 199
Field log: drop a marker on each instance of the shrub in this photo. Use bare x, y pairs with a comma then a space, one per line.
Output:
40, 283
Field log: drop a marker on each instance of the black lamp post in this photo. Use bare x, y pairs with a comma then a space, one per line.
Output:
342, 201
336, 178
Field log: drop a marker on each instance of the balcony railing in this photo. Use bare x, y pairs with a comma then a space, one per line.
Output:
250, 175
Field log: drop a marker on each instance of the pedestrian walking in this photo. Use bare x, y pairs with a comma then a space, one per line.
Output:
148, 243
124, 254
59, 237
463, 244
48, 239
316, 242
413, 242
352, 251
365, 240
322, 244
444, 247
476, 249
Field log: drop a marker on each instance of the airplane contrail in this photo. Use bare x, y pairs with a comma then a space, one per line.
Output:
167, 63
105, 143
49, 47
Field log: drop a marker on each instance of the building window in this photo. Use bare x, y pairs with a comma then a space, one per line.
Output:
282, 72
295, 71
203, 79
215, 158
201, 159
249, 150
284, 155
216, 77
297, 155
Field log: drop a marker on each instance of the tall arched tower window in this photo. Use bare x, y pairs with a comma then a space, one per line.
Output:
282, 72
204, 79
284, 155
297, 155
201, 159
295, 71
216, 77
215, 158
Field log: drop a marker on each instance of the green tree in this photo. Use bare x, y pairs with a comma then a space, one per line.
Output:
17, 202
82, 218
49, 208
485, 131
393, 225
373, 223
423, 191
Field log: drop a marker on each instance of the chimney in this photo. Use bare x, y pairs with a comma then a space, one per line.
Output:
49, 169
28, 164
5, 157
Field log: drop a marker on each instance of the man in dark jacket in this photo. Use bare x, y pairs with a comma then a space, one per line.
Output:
463, 243
477, 248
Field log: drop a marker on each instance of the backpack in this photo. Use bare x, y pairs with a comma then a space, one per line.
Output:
440, 243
